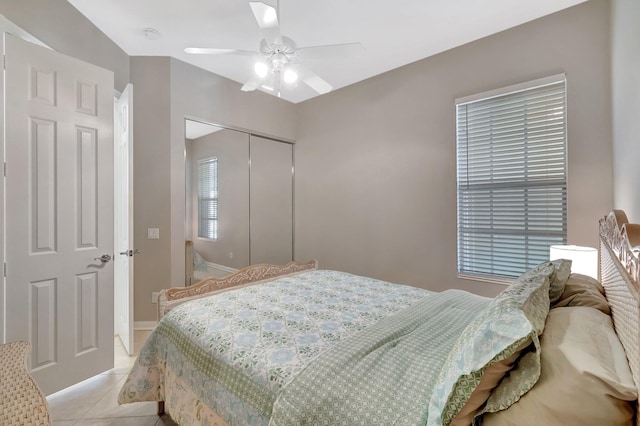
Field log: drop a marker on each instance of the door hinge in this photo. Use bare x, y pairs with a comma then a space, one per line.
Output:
5, 269
4, 62
5, 169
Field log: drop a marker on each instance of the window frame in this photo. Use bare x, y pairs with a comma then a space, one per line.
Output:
465, 272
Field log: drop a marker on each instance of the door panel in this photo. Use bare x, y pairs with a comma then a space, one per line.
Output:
42, 166
59, 212
271, 194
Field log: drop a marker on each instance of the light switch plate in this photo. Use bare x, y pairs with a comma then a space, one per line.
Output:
153, 233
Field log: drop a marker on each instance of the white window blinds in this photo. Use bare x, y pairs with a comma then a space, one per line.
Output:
511, 178
208, 198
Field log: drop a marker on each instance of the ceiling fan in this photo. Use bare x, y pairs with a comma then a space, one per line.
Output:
279, 59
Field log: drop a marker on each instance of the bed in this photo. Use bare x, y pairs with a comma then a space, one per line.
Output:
288, 345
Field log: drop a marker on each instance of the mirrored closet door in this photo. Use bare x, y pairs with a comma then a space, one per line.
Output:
271, 201
239, 199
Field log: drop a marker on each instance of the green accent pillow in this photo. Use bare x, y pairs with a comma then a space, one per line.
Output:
516, 316
558, 277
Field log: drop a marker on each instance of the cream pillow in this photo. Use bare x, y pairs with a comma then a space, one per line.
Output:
585, 378
583, 290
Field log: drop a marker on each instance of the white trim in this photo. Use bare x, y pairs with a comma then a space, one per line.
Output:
220, 267
144, 325
545, 81
8, 26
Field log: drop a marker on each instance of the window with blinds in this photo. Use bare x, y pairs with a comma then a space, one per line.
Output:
511, 178
208, 198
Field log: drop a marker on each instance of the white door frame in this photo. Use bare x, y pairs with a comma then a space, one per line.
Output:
123, 218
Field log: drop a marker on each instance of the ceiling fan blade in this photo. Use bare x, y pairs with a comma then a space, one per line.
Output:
330, 51
313, 80
215, 51
252, 84
267, 18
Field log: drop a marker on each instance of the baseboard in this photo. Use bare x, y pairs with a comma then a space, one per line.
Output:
144, 325
220, 267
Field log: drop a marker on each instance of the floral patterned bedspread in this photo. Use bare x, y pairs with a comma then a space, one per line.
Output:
237, 349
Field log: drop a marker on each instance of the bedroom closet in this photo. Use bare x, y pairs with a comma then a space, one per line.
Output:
239, 201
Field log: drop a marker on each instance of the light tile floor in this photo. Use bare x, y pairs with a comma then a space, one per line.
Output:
94, 401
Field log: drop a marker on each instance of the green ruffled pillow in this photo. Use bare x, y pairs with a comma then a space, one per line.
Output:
514, 318
558, 272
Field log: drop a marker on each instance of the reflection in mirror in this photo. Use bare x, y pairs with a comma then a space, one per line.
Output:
217, 200
271, 201
239, 196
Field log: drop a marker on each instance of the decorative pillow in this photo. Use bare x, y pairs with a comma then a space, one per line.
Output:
558, 277
557, 285
583, 290
585, 378
490, 379
514, 318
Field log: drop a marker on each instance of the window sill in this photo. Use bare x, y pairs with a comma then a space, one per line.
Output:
487, 279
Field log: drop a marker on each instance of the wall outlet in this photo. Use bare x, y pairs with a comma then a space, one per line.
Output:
154, 296
153, 233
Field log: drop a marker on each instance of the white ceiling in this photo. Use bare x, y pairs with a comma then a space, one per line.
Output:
394, 33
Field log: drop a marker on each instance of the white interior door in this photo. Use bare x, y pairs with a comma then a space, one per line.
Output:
123, 230
59, 212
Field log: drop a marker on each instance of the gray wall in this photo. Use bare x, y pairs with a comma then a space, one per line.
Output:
375, 162
625, 69
151, 180
63, 28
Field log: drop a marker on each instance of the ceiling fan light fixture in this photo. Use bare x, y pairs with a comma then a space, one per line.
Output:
278, 62
290, 76
261, 69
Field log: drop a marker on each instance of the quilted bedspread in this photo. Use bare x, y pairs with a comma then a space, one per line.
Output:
237, 350
385, 374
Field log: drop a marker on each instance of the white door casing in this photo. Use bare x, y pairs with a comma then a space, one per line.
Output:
59, 212
123, 215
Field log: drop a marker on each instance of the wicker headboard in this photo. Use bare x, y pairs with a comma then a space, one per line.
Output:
619, 272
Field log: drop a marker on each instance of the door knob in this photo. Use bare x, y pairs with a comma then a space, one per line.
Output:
130, 253
105, 258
